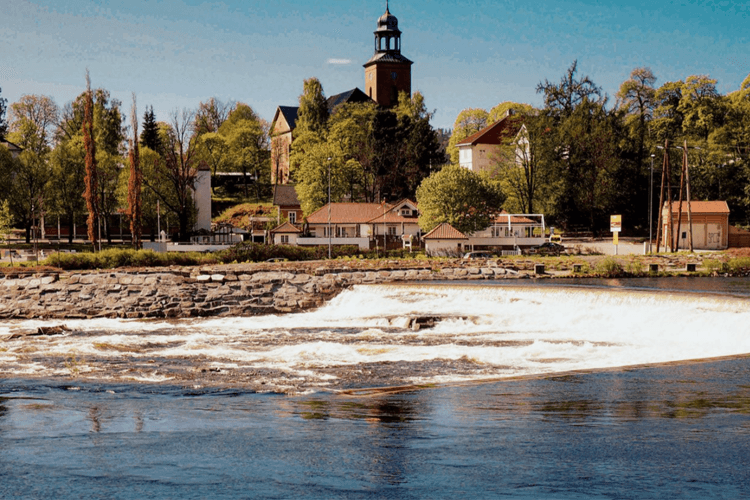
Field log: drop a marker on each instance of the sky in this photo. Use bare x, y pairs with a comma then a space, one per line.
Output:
173, 54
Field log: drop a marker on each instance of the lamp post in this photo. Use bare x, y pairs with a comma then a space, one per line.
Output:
651, 206
329, 208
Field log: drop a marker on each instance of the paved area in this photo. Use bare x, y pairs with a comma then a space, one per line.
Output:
606, 247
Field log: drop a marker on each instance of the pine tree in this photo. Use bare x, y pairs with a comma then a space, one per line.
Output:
150, 135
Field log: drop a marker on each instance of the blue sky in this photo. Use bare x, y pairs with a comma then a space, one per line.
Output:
176, 53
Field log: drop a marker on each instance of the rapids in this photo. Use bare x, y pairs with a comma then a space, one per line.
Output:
392, 335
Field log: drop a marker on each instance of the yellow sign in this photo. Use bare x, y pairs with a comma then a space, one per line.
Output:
615, 238
615, 223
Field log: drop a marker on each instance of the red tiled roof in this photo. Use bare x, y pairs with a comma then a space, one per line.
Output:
514, 219
445, 232
343, 213
495, 133
702, 207
286, 227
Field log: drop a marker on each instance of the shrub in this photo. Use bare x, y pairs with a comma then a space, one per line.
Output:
609, 267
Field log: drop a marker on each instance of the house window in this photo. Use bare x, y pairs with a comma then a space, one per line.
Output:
292, 217
392, 230
406, 211
285, 239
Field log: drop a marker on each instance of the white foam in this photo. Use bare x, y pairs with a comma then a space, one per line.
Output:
499, 330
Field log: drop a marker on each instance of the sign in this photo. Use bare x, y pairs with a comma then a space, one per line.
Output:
615, 223
615, 238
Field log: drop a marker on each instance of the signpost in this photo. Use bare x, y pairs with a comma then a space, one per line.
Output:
615, 226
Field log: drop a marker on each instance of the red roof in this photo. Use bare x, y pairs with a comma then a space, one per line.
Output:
360, 213
496, 133
445, 232
343, 213
702, 207
514, 219
286, 228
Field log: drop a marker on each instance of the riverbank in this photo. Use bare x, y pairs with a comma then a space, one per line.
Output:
283, 287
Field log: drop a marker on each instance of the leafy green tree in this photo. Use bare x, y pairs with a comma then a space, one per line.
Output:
313, 109
321, 167
6, 220
352, 133
501, 110
32, 123
524, 177
582, 150
247, 141
458, 196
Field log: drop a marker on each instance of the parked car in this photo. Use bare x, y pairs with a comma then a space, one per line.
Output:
548, 248
478, 255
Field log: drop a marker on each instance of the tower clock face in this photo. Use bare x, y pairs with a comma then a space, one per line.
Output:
392, 23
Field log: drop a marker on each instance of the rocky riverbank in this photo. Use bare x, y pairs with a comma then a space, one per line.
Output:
229, 290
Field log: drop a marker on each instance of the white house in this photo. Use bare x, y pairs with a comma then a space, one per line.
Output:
481, 150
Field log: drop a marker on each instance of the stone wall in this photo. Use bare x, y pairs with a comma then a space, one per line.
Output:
230, 290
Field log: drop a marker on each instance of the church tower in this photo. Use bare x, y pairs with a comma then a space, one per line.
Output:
387, 72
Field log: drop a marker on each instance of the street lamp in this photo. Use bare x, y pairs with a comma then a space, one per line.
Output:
329, 208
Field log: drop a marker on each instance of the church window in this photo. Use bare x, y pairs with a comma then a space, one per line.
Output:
394, 75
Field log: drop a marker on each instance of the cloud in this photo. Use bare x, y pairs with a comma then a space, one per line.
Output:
339, 61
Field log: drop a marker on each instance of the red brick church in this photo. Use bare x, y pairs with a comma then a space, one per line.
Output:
386, 74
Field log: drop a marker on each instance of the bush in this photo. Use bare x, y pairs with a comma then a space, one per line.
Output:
609, 267
122, 257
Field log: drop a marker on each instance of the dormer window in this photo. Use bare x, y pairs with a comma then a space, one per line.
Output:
406, 212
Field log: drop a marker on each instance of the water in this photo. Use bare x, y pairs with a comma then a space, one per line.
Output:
515, 392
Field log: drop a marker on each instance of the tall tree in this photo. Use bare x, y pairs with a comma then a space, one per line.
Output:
135, 181
570, 92
246, 137
150, 137
91, 194
3, 122
211, 115
32, 123
172, 177
313, 109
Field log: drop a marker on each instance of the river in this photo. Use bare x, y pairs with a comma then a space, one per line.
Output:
564, 389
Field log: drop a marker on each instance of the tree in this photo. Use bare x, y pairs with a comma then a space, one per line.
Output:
565, 96
320, 168
582, 152
68, 169
91, 195
32, 121
468, 122
211, 115
150, 137
458, 196
501, 110
525, 178
3, 122
6, 220
135, 181
313, 109
172, 176
637, 95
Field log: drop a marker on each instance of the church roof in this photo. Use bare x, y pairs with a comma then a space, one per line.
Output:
353, 95
390, 57
290, 115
